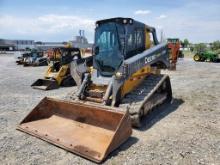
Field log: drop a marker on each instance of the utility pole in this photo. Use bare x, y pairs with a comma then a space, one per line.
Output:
162, 36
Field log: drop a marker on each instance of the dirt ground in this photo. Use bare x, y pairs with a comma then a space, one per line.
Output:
186, 132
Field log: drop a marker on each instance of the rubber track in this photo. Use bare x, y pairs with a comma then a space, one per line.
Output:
135, 101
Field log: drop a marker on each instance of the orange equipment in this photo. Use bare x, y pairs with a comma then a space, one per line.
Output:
174, 48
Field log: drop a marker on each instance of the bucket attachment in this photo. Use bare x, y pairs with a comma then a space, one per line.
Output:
45, 84
27, 64
88, 130
19, 62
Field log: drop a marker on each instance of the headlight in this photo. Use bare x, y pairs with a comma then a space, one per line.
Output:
118, 75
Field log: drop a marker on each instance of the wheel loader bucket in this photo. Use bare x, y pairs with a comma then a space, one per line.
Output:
88, 130
45, 84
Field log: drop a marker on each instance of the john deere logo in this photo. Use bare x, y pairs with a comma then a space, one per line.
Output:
151, 58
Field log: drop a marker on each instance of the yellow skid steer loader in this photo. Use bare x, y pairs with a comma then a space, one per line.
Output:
58, 72
122, 85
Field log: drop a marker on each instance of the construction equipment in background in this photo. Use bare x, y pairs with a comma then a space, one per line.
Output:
123, 85
20, 58
208, 56
175, 52
58, 72
33, 58
36, 58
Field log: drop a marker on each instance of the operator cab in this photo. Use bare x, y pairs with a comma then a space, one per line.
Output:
108, 49
118, 39
63, 56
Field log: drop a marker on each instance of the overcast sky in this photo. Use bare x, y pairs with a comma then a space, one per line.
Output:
48, 20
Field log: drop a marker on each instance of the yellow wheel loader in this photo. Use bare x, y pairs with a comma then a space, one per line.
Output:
121, 86
58, 72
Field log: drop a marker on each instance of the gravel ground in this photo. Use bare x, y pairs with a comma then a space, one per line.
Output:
186, 132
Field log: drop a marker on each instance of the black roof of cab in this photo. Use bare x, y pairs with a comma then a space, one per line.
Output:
129, 21
124, 20
119, 20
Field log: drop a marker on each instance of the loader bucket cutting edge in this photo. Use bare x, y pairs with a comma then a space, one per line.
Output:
87, 130
19, 62
45, 84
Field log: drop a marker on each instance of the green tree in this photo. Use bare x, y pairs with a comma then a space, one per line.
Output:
191, 47
186, 43
215, 45
200, 47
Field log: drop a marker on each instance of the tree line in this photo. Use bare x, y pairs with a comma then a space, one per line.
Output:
213, 46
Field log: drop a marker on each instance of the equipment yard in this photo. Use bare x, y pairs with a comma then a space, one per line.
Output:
186, 132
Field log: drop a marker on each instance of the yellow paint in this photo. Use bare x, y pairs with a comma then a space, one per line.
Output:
135, 80
57, 54
196, 57
68, 45
57, 75
147, 39
82, 52
90, 69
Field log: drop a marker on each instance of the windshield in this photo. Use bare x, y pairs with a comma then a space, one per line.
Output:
108, 58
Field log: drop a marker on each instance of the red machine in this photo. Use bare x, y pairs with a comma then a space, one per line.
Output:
175, 52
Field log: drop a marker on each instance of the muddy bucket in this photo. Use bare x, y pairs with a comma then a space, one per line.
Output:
88, 130
45, 84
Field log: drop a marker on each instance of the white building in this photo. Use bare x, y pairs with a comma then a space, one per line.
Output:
6, 44
48, 45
